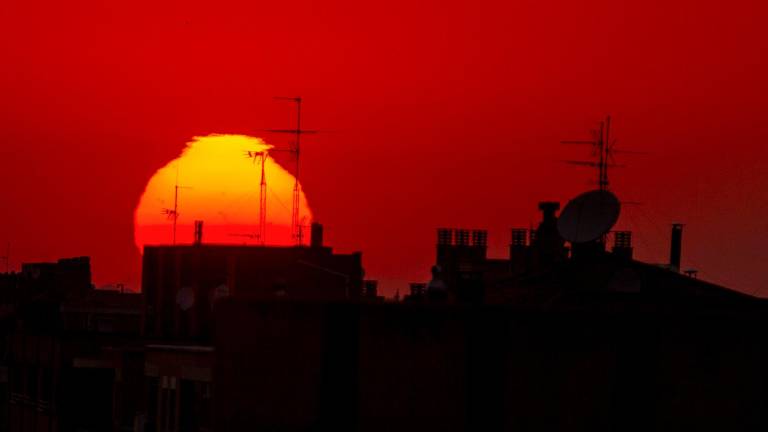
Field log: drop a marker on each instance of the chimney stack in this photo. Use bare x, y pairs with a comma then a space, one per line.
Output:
676, 246
198, 232
371, 289
518, 246
418, 289
462, 237
549, 208
444, 237
622, 244
316, 235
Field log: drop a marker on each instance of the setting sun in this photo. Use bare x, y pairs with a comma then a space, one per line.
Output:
218, 184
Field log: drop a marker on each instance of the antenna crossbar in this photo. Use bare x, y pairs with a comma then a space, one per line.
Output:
296, 229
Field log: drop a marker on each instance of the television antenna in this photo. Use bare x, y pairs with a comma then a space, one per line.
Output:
173, 214
296, 229
603, 150
261, 156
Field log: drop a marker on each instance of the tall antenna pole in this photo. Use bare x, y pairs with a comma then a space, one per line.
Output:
175, 209
262, 156
263, 201
601, 157
173, 214
603, 146
175, 203
295, 221
296, 230
605, 149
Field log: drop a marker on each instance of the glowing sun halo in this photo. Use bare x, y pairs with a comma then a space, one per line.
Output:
220, 186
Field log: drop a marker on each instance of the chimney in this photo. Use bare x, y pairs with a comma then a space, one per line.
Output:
444, 236
480, 238
546, 244
518, 246
444, 244
519, 237
622, 244
418, 289
198, 232
547, 230
462, 237
549, 208
675, 250
316, 235
371, 288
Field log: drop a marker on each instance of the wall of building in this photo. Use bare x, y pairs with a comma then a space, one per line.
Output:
203, 274
287, 366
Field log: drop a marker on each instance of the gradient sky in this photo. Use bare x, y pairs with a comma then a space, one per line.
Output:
437, 114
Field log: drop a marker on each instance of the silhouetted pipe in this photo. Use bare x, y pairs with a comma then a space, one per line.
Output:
676, 246
316, 235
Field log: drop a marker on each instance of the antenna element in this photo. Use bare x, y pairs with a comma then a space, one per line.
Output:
296, 229
603, 147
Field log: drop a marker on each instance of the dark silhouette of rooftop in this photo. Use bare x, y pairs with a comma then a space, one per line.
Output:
555, 336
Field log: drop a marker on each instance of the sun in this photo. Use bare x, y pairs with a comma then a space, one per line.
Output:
214, 181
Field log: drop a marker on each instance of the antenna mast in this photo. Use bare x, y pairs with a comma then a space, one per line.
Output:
262, 155
603, 147
173, 214
296, 231
175, 205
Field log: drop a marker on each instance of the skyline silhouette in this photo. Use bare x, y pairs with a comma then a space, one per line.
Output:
438, 115
383, 216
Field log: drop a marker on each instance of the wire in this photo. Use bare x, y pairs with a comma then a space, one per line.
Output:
279, 201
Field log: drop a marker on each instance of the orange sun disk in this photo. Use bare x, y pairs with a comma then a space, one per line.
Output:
218, 185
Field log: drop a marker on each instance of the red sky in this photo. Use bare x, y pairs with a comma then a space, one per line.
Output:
439, 114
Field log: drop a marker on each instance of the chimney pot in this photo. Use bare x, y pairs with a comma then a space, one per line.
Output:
549, 208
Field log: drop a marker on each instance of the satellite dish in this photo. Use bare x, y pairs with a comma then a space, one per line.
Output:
589, 216
185, 298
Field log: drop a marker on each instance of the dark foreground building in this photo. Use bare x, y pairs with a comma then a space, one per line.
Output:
182, 283
79, 359
71, 352
547, 339
610, 363
231, 338
184, 286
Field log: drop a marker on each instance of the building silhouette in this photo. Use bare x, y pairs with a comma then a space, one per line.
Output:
224, 338
66, 346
